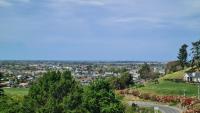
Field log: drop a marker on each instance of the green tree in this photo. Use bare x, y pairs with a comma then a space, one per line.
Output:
53, 93
1, 90
196, 54
121, 82
145, 71
182, 55
9, 104
126, 79
100, 98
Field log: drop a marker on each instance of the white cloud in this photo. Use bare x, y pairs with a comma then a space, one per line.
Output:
4, 3
24, 1
79, 2
88, 2
137, 19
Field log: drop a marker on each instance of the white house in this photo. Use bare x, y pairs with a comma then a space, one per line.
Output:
134, 74
192, 77
23, 85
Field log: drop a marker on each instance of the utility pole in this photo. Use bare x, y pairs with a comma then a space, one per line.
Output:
198, 91
184, 92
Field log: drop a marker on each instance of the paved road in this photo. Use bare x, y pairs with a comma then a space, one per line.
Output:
162, 108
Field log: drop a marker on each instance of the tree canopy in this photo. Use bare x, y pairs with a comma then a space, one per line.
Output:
55, 92
58, 92
145, 71
196, 54
100, 98
121, 82
182, 56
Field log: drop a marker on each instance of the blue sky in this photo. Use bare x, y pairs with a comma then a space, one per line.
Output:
97, 29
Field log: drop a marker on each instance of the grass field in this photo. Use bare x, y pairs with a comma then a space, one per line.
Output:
166, 87
170, 88
16, 91
176, 75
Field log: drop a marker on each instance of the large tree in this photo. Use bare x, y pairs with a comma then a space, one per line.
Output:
100, 98
196, 54
1, 90
182, 55
55, 92
145, 71
58, 92
126, 79
121, 82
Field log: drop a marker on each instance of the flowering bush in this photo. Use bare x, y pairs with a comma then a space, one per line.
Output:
145, 96
192, 104
185, 102
135, 93
189, 111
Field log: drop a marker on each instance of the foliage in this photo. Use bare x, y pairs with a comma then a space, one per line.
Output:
124, 81
58, 92
100, 98
53, 93
182, 56
9, 104
172, 67
196, 54
145, 71
1, 90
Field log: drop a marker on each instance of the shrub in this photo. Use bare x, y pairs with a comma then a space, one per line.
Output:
145, 96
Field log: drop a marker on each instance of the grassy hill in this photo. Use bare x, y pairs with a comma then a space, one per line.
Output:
177, 75
167, 86
170, 88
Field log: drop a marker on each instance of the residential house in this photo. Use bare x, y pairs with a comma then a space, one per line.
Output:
192, 77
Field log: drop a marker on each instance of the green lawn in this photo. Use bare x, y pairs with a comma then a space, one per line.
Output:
170, 88
176, 75
16, 91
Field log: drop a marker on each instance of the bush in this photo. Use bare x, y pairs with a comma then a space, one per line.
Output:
135, 93
145, 96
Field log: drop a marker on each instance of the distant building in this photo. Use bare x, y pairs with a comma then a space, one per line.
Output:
192, 77
134, 74
25, 85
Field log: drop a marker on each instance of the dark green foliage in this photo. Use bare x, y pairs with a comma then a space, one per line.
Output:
182, 55
9, 105
145, 71
1, 90
196, 54
57, 92
124, 81
100, 98
73, 102
53, 93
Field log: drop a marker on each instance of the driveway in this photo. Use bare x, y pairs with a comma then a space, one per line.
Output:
162, 108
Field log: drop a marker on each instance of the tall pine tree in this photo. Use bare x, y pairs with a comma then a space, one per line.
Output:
182, 56
196, 54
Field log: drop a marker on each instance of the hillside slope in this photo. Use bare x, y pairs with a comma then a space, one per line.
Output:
176, 75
